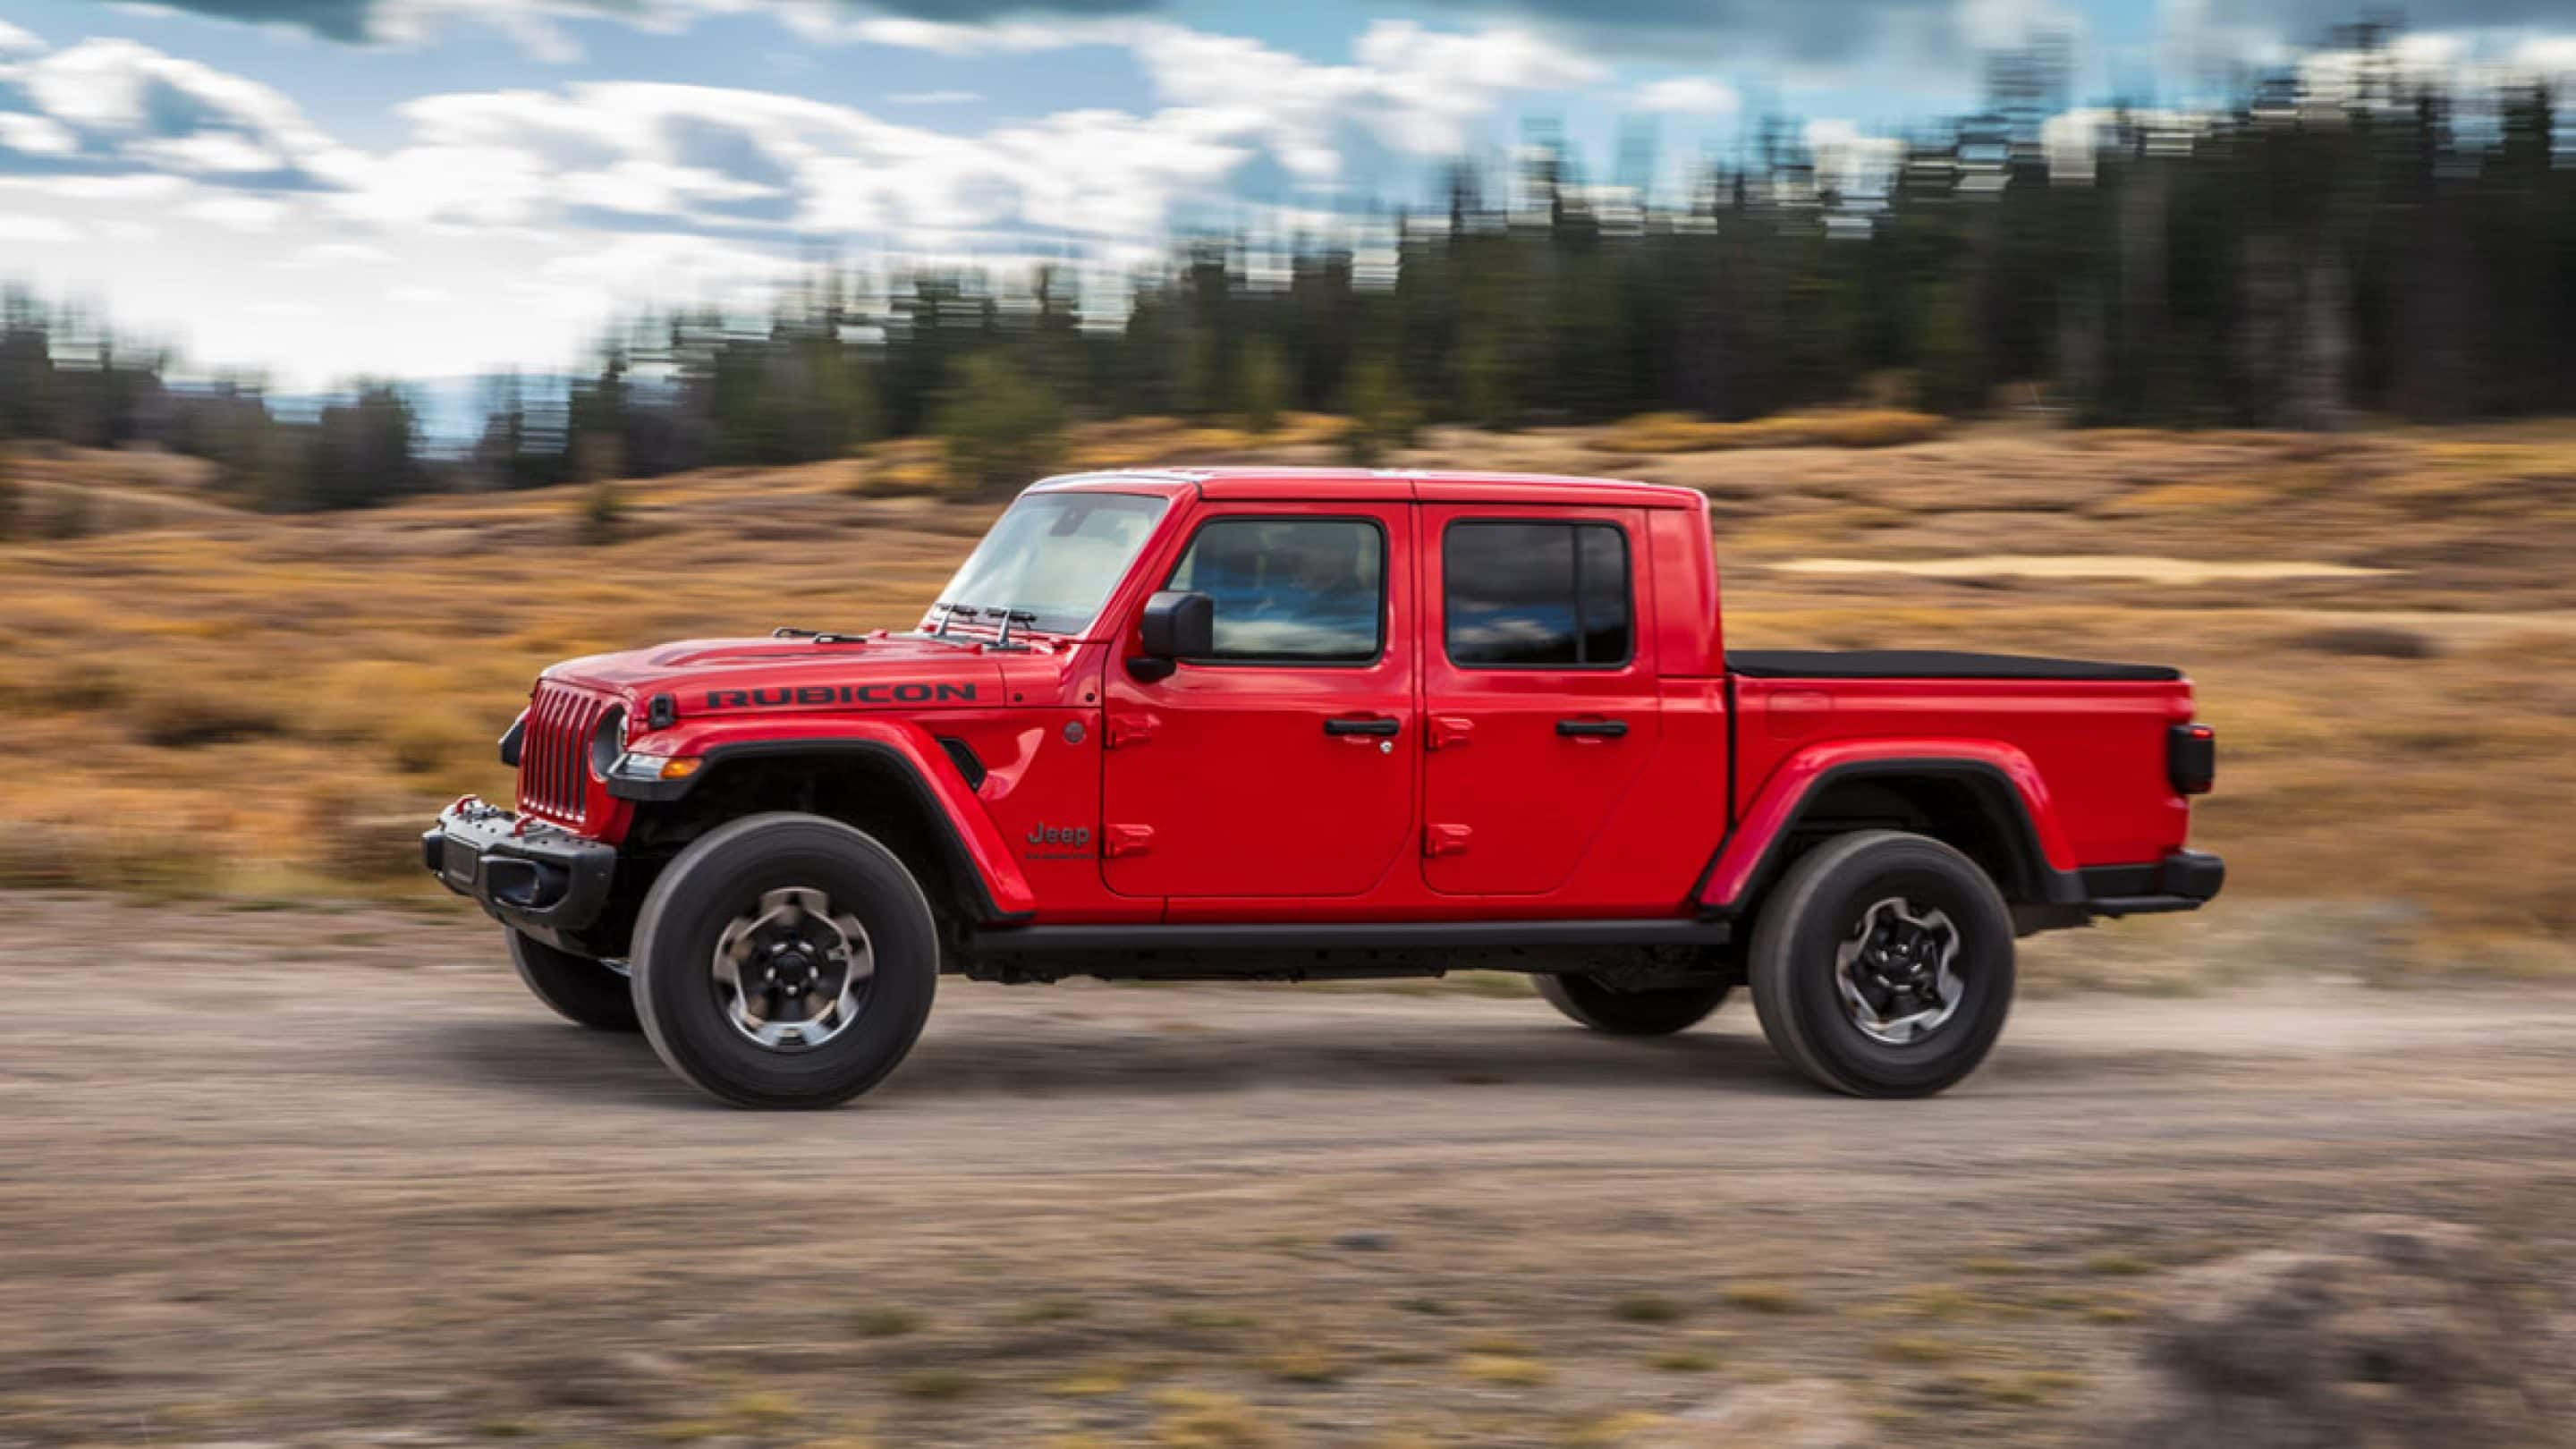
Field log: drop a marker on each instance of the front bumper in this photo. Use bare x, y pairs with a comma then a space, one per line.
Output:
526, 874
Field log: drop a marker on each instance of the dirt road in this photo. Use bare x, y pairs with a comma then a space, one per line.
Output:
335, 1179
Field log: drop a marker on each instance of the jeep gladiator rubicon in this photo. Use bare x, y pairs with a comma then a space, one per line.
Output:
1232, 723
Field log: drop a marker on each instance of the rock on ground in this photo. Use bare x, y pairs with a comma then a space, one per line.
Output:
2386, 1333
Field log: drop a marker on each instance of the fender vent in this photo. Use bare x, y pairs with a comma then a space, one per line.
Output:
962, 755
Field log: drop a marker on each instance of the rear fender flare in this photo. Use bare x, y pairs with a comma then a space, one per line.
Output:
975, 848
2007, 786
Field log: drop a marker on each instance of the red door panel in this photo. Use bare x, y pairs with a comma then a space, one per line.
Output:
1528, 754
1278, 778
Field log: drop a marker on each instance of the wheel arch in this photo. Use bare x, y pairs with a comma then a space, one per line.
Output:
1978, 804
912, 800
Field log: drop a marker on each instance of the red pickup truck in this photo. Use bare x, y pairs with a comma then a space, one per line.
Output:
1236, 723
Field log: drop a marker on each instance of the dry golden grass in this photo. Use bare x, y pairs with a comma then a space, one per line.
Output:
273, 706
1837, 428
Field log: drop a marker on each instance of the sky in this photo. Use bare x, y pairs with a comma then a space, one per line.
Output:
313, 190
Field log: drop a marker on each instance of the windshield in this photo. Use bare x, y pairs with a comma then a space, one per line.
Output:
1055, 555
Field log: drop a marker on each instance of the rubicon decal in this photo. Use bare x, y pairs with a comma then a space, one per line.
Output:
793, 696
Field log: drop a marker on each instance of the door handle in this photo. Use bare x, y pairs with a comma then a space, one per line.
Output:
1592, 729
1362, 726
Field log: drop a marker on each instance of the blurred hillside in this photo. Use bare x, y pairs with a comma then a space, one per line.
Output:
2382, 627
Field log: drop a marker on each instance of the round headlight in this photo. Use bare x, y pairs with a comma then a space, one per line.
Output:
607, 740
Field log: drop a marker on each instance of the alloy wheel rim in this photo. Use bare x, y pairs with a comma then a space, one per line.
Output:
793, 972
1895, 974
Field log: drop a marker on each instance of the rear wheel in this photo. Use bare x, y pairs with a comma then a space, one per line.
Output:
785, 961
1882, 966
1653, 1011
580, 989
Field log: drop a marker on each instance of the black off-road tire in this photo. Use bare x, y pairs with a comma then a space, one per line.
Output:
1659, 1011
726, 872
1819, 905
581, 990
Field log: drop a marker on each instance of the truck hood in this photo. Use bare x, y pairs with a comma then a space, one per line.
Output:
725, 676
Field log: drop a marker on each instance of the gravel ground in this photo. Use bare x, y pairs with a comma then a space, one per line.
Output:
333, 1178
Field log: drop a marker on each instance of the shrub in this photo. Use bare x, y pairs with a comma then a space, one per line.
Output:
1646, 1308
602, 512
1000, 427
182, 718
1765, 1298
936, 1384
2371, 642
1262, 387
1382, 413
884, 1322
75, 515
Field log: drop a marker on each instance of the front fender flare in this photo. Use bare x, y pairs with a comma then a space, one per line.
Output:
975, 848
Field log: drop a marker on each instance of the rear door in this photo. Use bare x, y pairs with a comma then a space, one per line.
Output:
1540, 703
1285, 763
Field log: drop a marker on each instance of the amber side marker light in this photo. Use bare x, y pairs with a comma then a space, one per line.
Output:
679, 767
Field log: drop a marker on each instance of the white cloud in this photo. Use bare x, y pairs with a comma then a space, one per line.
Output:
534, 27
36, 135
14, 39
137, 101
238, 213
137, 188
1419, 91
39, 229
2193, 42
330, 254
1850, 160
482, 223
2011, 24
1690, 95
933, 98
2546, 56
824, 21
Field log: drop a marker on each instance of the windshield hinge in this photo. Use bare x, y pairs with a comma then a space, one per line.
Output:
1008, 618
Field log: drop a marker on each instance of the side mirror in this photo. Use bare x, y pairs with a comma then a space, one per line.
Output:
1177, 625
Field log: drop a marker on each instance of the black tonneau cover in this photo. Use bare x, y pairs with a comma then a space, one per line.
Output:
1927, 664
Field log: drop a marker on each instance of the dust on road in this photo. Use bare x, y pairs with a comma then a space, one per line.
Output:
334, 1178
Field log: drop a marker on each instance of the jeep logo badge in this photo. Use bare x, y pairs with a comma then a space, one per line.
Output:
1059, 842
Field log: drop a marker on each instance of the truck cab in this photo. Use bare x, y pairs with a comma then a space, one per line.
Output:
1298, 724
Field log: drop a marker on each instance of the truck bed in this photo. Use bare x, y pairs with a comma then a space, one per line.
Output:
1929, 664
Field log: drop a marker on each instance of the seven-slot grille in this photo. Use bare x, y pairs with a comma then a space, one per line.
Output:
554, 755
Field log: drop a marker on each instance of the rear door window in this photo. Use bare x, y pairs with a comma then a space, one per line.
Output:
1536, 595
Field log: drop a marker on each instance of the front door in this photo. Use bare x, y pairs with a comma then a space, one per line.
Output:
1284, 763
1539, 705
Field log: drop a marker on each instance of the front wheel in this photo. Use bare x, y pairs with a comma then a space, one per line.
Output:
591, 993
785, 961
1882, 966
1653, 1011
